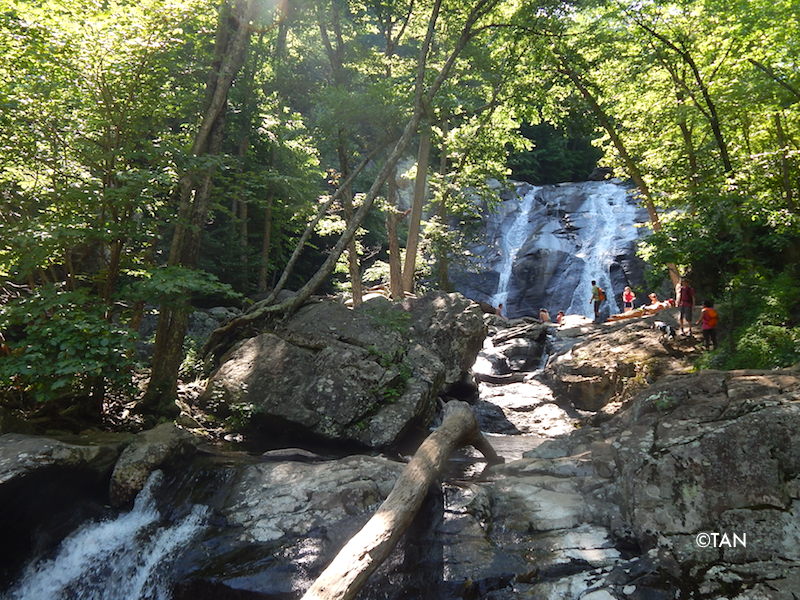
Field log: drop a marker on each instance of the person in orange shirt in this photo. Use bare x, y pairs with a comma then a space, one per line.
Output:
708, 320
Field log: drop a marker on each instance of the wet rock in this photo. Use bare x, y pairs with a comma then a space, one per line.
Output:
365, 376
47, 487
162, 447
568, 226
280, 523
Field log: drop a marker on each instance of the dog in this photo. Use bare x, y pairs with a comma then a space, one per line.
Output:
667, 331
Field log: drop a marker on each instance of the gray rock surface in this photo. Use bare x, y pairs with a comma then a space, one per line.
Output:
161, 447
278, 524
616, 359
22, 455
48, 487
717, 453
361, 376
550, 263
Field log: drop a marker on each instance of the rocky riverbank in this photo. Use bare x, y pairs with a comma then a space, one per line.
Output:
619, 460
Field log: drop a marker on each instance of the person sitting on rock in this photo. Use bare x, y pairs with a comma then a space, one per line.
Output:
544, 315
650, 309
560, 317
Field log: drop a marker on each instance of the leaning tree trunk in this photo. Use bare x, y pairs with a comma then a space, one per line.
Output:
392, 218
481, 8
368, 548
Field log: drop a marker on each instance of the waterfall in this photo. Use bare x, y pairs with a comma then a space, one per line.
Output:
127, 558
612, 221
553, 240
510, 243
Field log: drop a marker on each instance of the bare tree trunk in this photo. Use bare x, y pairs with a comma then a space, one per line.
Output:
266, 247
781, 81
442, 262
392, 218
786, 181
298, 249
367, 549
688, 143
412, 243
352, 249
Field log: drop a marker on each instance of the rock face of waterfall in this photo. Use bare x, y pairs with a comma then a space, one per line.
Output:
541, 246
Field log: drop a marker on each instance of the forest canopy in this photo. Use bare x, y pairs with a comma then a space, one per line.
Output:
184, 153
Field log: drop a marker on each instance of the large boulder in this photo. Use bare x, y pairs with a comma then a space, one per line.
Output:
617, 359
365, 376
278, 524
161, 447
711, 456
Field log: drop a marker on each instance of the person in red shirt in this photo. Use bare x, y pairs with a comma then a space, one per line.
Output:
627, 299
686, 299
708, 320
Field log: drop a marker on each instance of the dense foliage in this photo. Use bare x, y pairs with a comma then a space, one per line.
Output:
128, 129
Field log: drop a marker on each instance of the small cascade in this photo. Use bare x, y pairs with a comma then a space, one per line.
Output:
127, 558
510, 244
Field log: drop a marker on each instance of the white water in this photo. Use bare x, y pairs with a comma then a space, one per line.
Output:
612, 222
513, 238
122, 559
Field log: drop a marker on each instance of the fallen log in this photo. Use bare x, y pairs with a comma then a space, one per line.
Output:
538, 329
367, 549
501, 379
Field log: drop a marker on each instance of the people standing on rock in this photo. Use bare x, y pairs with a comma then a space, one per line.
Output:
499, 311
544, 315
708, 320
685, 299
627, 298
598, 295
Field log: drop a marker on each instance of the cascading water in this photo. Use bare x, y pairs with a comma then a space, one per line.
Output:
510, 244
553, 241
612, 221
127, 558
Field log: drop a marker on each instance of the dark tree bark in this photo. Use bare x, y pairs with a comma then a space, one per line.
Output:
412, 243
233, 36
707, 106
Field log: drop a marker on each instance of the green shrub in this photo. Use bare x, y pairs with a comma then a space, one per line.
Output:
757, 322
61, 345
762, 346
